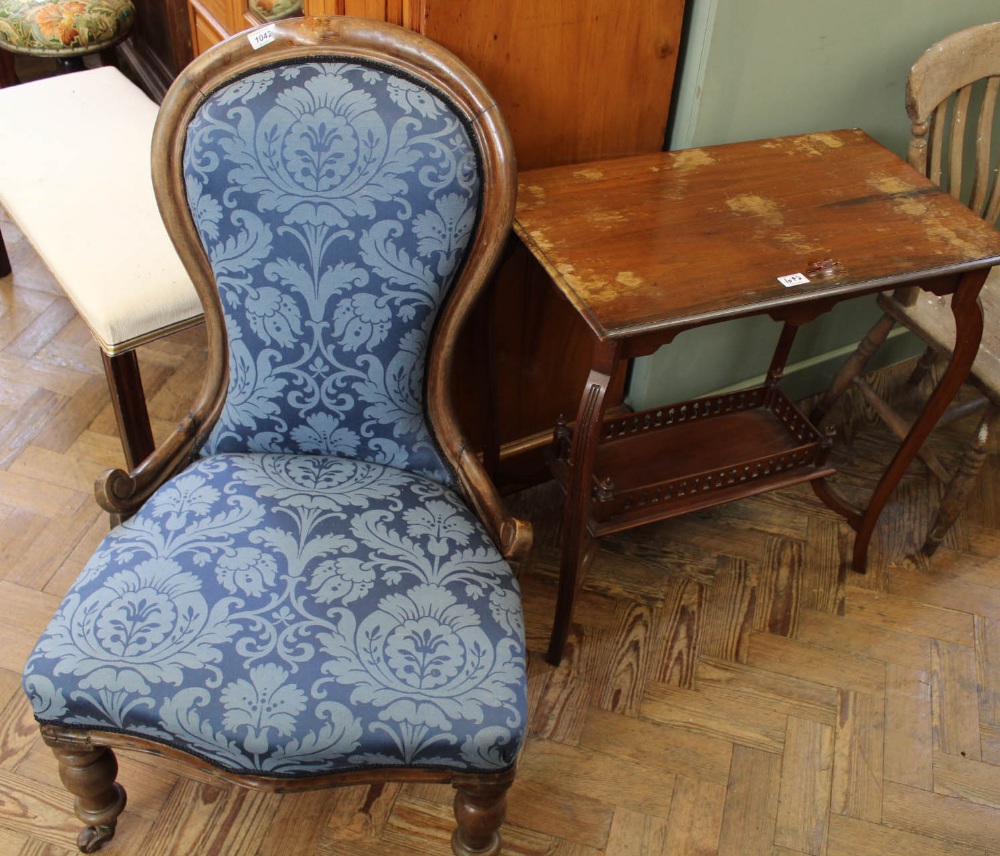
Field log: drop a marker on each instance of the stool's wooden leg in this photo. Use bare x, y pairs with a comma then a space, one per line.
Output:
129, 401
8, 76
4, 258
69, 64
109, 57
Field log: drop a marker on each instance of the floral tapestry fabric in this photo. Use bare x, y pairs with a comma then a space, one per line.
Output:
335, 201
66, 28
294, 615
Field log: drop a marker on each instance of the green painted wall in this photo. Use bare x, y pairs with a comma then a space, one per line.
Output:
765, 68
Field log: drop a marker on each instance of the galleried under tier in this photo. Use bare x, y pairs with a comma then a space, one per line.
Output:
668, 461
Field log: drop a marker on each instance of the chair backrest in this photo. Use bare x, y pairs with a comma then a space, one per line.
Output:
951, 98
343, 192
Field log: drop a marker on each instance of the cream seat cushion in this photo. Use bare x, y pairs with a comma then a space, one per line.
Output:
75, 178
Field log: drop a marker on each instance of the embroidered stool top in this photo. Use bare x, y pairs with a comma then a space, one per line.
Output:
64, 28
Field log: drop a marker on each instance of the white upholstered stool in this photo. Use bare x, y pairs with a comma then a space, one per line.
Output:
75, 179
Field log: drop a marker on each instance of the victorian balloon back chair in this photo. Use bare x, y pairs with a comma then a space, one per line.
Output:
951, 98
310, 585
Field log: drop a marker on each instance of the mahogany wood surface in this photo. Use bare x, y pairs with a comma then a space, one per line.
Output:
646, 247
666, 242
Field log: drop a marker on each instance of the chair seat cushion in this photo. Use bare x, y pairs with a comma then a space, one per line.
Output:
64, 27
285, 615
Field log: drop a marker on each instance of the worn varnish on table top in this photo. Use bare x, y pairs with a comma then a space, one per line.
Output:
678, 239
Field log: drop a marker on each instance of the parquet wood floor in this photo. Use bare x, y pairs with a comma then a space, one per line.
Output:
726, 688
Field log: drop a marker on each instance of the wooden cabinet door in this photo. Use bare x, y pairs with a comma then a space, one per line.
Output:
205, 29
401, 12
577, 80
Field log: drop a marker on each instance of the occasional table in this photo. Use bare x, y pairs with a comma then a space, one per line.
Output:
647, 247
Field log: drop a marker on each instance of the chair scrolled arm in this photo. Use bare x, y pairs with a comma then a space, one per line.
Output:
121, 493
512, 535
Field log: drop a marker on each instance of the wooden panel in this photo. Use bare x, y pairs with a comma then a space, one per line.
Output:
569, 89
407, 13
204, 31
375, 9
225, 13
160, 44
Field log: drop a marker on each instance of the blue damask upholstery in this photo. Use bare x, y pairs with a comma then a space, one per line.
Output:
310, 594
290, 614
334, 224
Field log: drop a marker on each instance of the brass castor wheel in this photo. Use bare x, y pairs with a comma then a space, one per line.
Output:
93, 838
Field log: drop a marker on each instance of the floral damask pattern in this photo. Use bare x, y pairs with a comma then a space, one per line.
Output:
310, 595
335, 201
64, 27
366, 613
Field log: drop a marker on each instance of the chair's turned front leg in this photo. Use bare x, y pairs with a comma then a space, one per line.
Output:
961, 482
479, 810
89, 775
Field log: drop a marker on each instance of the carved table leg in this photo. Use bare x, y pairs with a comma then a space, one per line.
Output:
479, 810
576, 507
89, 774
968, 332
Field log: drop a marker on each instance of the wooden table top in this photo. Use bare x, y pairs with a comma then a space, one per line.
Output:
673, 240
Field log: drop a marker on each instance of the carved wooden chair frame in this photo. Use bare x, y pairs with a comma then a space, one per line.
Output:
88, 766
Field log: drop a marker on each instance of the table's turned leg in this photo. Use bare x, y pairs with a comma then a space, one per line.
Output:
968, 333
576, 549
